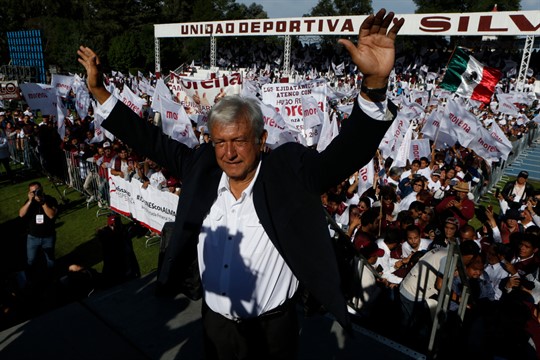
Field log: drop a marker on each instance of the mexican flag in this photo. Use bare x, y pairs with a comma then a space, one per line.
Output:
469, 78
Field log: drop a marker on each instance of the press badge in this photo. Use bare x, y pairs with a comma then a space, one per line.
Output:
40, 219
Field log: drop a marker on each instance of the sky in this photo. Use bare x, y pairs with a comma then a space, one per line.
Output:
297, 8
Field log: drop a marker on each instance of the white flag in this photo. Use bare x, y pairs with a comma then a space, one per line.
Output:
459, 123
132, 101
365, 177
62, 84
404, 149
311, 112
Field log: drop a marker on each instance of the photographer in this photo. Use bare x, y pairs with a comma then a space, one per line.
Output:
39, 212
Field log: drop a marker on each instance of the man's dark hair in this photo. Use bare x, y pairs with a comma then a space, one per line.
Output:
369, 216
392, 236
413, 228
404, 217
417, 206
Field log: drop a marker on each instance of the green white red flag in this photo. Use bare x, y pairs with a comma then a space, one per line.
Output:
469, 78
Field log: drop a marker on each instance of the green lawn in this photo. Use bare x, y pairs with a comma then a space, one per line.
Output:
76, 228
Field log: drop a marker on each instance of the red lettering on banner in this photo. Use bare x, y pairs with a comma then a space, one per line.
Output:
281, 26
243, 27
363, 174
267, 26
331, 26
37, 96
272, 123
255, 27
295, 26
435, 24
488, 147
171, 115
485, 24
416, 151
460, 123
309, 23
523, 23
463, 23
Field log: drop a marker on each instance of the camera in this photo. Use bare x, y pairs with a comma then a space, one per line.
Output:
38, 192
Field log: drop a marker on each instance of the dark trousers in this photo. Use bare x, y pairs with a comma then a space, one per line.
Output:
273, 335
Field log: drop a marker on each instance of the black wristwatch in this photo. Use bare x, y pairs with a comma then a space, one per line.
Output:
377, 95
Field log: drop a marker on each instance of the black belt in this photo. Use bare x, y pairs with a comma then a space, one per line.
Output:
273, 313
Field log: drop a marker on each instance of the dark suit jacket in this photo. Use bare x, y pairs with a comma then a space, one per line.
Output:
286, 197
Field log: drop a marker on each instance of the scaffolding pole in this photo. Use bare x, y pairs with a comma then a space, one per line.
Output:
287, 56
213, 52
525, 60
157, 58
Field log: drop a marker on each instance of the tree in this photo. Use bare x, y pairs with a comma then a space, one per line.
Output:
341, 7
449, 6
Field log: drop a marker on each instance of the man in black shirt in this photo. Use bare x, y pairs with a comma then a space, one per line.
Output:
39, 212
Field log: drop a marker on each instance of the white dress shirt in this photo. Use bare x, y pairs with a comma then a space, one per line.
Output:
243, 274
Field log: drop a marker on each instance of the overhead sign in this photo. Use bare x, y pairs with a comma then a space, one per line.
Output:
9, 90
477, 24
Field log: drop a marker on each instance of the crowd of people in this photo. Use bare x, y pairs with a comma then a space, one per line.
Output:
404, 223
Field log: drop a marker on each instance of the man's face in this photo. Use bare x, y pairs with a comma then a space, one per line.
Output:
460, 195
526, 249
521, 180
413, 238
237, 149
450, 230
475, 269
415, 167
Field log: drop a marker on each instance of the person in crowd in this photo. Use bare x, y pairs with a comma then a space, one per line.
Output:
495, 256
458, 205
121, 165
229, 179
39, 213
503, 230
390, 241
104, 163
413, 243
434, 181
119, 261
418, 288
412, 171
5, 155
449, 233
416, 185
516, 192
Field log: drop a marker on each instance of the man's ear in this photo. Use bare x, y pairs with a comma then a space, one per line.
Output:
262, 140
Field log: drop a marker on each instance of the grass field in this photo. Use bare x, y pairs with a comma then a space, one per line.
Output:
76, 228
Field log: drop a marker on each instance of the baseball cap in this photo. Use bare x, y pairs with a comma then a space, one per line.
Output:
524, 174
452, 220
436, 172
106, 144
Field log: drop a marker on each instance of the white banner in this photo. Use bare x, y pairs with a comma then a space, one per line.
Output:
62, 84
478, 24
152, 207
287, 98
198, 96
40, 97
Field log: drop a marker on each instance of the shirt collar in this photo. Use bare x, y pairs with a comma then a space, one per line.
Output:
224, 183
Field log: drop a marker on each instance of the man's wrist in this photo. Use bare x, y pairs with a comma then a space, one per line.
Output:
373, 94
